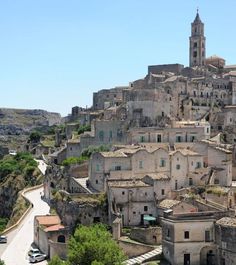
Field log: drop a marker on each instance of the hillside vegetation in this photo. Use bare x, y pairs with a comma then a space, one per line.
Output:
16, 173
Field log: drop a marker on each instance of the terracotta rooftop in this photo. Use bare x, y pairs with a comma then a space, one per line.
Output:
168, 203
227, 221
54, 228
48, 220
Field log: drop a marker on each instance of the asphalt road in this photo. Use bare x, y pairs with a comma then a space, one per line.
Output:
20, 240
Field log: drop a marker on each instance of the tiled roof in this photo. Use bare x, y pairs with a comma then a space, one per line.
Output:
168, 203
127, 183
185, 152
48, 220
158, 176
113, 154
54, 228
227, 221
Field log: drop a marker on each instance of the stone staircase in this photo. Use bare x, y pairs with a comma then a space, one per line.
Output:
145, 257
83, 184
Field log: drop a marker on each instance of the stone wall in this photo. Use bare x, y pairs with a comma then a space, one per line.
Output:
132, 249
174, 68
147, 235
59, 249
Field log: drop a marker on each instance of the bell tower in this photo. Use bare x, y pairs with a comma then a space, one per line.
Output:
197, 43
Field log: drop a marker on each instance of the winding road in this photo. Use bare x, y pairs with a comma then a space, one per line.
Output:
20, 239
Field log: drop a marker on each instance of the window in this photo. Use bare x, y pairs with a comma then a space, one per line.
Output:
176, 184
142, 139
192, 138
178, 166
208, 129
194, 54
162, 192
194, 93
162, 162
162, 114
140, 164
198, 165
159, 138
207, 236
190, 181
123, 193
195, 45
145, 208
97, 167
117, 168
168, 232
61, 239
186, 234
96, 181
134, 212
178, 139
216, 181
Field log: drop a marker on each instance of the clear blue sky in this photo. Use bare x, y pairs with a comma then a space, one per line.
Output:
55, 53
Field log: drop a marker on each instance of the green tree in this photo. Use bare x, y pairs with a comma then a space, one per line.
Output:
2, 262
94, 245
35, 137
97, 263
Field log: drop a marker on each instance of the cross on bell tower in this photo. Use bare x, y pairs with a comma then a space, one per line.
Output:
197, 43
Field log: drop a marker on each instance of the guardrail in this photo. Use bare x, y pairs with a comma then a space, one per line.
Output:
9, 229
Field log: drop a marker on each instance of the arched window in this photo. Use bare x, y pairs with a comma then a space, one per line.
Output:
61, 239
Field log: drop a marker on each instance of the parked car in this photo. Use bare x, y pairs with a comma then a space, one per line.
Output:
37, 257
3, 239
33, 251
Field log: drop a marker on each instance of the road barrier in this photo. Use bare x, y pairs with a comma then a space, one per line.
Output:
12, 227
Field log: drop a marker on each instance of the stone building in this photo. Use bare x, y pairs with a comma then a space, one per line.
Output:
215, 61
50, 235
108, 97
132, 199
189, 238
226, 241
198, 163
178, 131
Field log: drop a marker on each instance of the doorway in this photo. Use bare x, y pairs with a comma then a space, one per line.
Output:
186, 259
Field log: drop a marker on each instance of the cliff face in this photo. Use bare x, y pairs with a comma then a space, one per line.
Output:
16, 124
24, 120
16, 173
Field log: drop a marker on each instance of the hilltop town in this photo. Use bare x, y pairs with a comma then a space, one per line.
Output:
154, 160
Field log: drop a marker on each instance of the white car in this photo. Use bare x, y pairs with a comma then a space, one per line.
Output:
33, 251
3, 239
37, 257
